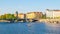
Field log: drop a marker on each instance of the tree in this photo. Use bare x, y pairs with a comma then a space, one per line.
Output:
7, 16
44, 16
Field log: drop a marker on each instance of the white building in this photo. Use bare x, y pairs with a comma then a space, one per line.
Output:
53, 13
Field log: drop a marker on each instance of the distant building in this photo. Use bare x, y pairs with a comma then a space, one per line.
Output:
20, 15
34, 15
53, 13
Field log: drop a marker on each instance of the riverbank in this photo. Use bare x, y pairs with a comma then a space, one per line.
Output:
4, 21
40, 20
50, 20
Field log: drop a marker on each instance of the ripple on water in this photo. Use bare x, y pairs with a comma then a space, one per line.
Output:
29, 28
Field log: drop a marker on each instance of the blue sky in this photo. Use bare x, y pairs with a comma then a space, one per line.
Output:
24, 6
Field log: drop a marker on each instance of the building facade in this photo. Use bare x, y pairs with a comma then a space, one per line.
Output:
52, 13
34, 15
30, 15
20, 15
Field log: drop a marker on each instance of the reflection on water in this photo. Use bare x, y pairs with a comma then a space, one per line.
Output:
36, 28
42, 28
29, 28
53, 28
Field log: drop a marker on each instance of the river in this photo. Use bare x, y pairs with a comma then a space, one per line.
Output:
28, 28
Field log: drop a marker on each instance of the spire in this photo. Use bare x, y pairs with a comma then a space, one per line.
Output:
16, 14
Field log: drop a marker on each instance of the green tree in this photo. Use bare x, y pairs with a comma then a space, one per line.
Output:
44, 16
7, 16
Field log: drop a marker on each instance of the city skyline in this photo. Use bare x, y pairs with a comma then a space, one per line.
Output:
24, 6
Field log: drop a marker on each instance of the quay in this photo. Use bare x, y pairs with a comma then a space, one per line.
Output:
50, 20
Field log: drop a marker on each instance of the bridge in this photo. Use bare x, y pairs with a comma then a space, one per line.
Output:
23, 20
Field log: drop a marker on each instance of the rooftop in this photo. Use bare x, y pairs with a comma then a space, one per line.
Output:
53, 10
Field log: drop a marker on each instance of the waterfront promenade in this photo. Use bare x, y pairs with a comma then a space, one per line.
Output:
50, 20
40, 20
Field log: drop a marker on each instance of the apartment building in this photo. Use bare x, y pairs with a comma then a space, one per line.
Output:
34, 15
20, 15
52, 13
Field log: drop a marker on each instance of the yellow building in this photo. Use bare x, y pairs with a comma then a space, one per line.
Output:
30, 15
34, 15
20, 16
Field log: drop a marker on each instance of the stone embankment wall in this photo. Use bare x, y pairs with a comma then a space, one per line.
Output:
47, 20
4, 21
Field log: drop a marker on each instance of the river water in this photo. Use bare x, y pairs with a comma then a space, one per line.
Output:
29, 28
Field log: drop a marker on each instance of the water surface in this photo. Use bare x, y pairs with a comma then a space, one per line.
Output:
28, 28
